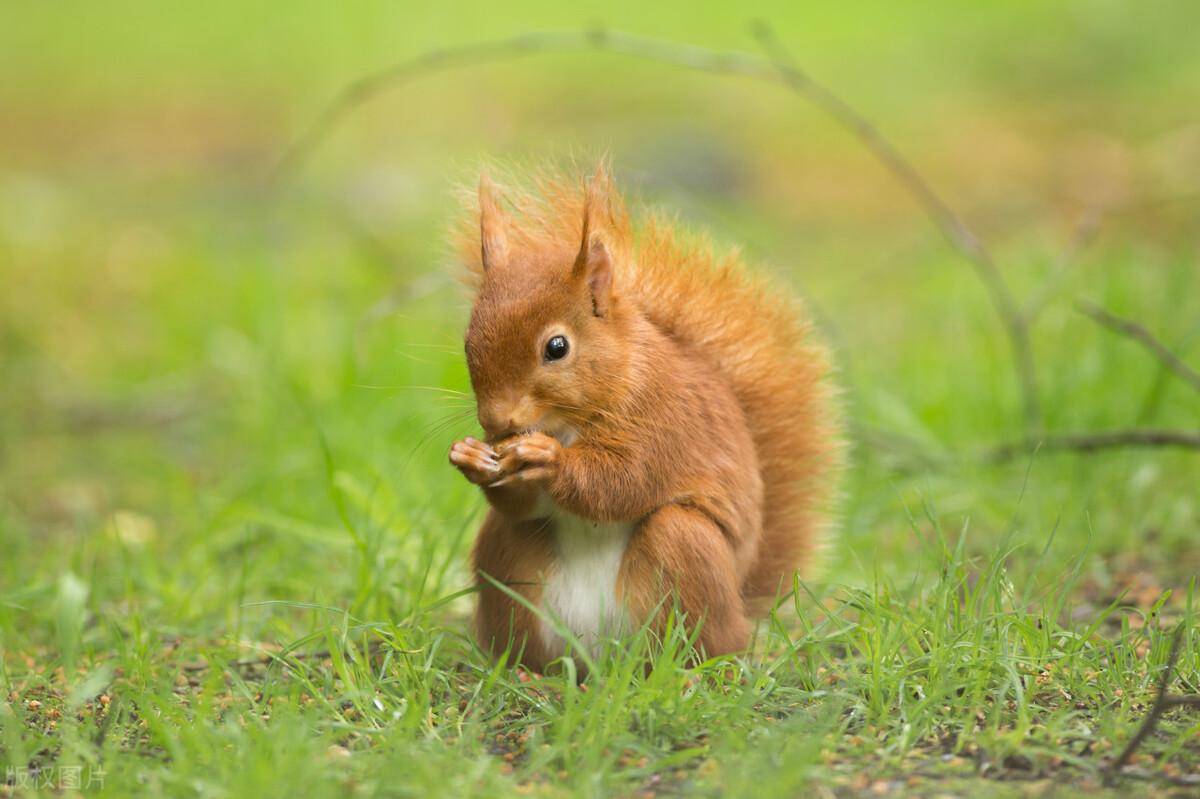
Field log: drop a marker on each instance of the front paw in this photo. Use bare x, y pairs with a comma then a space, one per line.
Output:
531, 458
478, 462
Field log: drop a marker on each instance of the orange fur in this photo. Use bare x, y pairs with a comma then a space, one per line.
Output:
693, 410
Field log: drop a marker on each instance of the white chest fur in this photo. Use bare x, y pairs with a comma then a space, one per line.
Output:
581, 588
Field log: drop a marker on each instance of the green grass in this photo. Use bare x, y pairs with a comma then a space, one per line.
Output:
233, 560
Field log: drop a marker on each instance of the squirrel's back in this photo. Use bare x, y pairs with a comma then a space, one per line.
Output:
753, 332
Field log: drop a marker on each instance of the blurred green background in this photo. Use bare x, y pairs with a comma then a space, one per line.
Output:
174, 333
218, 392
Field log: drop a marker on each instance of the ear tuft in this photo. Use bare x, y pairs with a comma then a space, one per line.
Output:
493, 227
594, 264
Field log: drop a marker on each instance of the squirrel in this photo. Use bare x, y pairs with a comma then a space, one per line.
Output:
660, 427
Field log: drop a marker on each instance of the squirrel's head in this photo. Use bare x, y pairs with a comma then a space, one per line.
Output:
544, 345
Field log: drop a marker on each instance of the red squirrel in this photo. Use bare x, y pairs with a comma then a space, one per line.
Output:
660, 428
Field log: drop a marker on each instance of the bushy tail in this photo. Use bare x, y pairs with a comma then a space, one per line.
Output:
759, 337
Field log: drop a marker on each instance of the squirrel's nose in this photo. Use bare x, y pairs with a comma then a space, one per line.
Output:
497, 422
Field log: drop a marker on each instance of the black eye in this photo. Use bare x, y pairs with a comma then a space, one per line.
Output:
557, 348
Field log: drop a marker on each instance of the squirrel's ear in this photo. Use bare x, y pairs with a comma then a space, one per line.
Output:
493, 227
594, 265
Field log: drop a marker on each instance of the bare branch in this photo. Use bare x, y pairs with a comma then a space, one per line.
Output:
951, 225
778, 69
1161, 702
1084, 234
1133, 330
1091, 442
363, 89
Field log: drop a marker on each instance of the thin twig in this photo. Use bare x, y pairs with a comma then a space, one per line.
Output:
1084, 234
953, 228
363, 89
1088, 229
1135, 331
1091, 442
1161, 702
778, 69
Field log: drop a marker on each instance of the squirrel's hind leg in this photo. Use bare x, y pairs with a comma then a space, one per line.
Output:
679, 553
516, 554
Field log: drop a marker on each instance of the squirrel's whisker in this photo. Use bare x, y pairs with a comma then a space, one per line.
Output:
408, 387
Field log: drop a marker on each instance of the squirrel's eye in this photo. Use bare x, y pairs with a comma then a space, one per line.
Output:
557, 348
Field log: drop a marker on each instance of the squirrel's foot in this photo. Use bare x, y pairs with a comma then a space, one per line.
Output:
478, 462
531, 458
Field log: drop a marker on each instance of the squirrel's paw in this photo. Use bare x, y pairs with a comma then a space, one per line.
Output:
531, 458
478, 462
